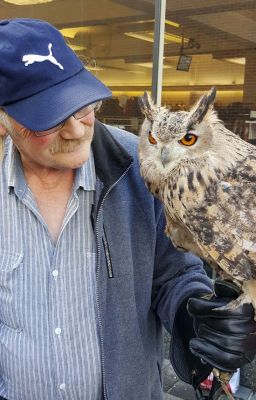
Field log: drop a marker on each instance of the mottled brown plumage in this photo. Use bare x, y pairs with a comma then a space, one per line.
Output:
205, 176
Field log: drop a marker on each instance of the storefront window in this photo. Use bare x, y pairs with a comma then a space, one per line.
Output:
206, 44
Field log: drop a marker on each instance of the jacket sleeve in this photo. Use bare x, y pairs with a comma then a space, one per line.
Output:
178, 276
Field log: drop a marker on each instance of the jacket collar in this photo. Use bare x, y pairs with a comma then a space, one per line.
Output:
110, 158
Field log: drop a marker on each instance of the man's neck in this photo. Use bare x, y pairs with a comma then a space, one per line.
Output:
50, 180
51, 190
47, 178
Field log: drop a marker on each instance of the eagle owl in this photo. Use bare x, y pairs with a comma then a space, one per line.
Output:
205, 177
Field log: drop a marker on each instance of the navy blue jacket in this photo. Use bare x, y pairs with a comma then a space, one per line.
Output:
142, 279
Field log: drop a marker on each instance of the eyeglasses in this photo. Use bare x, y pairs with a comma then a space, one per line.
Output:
83, 112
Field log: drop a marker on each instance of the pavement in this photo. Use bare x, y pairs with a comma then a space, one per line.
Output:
175, 389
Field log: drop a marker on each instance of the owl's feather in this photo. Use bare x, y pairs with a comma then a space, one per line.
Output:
208, 188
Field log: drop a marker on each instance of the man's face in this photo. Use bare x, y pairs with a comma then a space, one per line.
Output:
68, 148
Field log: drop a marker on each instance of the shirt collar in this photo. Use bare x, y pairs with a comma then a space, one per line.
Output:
14, 170
85, 176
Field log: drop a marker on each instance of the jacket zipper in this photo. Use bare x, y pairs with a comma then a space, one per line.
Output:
97, 286
107, 254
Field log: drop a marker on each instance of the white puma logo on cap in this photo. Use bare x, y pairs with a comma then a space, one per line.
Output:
32, 58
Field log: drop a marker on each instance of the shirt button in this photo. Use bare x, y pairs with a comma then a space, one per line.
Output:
55, 273
62, 386
58, 331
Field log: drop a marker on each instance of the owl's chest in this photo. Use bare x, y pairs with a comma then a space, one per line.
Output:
181, 196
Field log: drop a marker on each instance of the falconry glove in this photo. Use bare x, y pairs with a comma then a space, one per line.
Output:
225, 338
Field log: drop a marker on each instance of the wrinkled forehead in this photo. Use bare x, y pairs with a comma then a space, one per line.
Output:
171, 124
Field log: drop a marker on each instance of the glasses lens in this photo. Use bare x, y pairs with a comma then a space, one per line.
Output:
78, 115
49, 131
85, 111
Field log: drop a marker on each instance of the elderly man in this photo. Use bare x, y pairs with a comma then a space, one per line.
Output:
87, 275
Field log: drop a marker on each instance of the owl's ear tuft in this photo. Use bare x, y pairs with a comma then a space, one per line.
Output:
147, 106
200, 109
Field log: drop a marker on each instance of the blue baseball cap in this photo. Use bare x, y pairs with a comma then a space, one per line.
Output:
42, 81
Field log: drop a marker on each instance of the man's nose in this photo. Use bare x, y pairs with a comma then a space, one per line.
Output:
72, 129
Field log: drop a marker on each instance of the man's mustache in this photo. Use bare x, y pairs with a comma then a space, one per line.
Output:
68, 145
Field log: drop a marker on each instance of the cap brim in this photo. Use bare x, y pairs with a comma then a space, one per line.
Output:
48, 108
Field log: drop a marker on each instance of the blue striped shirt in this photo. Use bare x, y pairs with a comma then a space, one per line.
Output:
49, 342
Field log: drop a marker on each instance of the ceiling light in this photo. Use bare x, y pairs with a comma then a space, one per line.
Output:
236, 60
96, 68
149, 37
77, 47
172, 23
169, 37
72, 32
150, 65
27, 2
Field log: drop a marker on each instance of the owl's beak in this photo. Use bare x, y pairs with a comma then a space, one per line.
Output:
164, 156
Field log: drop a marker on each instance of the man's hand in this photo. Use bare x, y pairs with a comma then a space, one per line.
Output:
226, 339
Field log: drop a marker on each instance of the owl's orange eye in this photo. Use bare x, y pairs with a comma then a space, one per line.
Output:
189, 139
151, 139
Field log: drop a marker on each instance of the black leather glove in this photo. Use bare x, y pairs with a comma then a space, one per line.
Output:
226, 339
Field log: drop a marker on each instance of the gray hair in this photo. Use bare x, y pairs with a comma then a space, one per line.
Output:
6, 122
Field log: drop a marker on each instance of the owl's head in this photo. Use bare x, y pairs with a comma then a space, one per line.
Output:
169, 140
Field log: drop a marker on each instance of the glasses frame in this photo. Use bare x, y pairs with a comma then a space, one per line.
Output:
82, 113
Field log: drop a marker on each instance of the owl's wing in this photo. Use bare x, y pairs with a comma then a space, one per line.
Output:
224, 225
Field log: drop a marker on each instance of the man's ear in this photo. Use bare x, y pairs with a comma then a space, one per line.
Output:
3, 130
